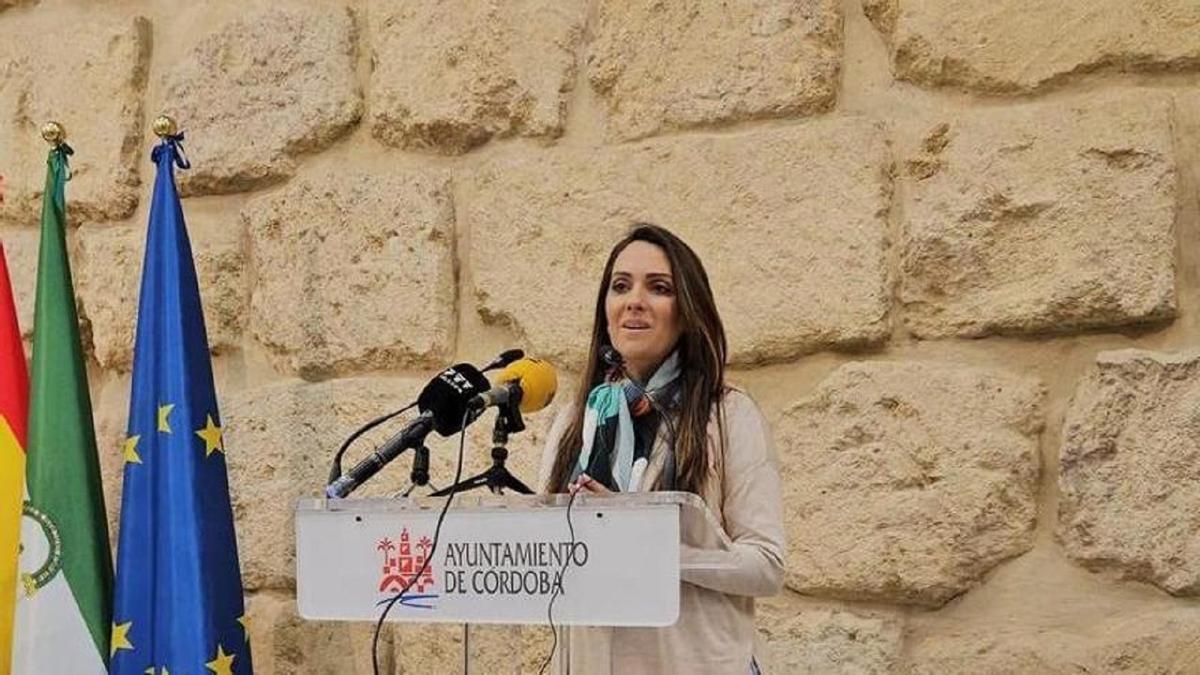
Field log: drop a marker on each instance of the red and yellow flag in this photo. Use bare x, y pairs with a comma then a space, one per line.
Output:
14, 408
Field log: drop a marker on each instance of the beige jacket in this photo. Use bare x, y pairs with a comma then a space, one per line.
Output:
715, 632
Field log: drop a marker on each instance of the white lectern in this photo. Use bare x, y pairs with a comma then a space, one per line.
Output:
500, 558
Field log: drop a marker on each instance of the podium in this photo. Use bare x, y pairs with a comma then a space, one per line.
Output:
499, 558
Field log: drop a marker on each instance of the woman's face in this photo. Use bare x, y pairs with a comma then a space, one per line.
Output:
643, 316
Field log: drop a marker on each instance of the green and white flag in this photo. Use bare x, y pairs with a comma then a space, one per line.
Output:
64, 605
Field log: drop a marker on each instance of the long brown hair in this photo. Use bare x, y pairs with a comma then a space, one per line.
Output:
702, 349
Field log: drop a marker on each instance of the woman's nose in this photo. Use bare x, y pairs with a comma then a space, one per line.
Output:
636, 297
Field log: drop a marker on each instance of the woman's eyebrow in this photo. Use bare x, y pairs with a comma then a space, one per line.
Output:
651, 275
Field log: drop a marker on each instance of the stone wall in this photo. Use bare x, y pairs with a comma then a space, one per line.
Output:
956, 246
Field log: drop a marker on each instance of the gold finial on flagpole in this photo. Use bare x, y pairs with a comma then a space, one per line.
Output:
54, 133
165, 126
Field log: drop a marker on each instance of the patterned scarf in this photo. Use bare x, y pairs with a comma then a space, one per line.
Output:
608, 422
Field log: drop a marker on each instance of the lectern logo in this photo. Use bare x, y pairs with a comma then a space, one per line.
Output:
402, 561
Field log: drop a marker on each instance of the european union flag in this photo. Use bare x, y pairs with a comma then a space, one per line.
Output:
178, 606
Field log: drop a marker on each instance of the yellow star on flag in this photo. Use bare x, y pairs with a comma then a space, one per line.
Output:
211, 433
120, 635
130, 450
222, 664
164, 411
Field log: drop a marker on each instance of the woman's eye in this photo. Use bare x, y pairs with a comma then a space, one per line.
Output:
663, 289
619, 286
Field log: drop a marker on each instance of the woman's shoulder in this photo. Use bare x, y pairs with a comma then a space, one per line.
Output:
737, 402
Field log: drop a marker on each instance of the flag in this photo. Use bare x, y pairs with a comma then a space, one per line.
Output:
179, 602
14, 409
64, 608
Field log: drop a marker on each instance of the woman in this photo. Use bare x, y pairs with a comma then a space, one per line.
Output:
654, 413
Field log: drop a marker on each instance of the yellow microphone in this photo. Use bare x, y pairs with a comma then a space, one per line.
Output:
530, 382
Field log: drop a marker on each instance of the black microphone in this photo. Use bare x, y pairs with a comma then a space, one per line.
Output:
443, 406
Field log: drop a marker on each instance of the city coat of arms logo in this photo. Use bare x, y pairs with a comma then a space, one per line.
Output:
406, 562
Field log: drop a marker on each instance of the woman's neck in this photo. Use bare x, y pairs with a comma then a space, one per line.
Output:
640, 371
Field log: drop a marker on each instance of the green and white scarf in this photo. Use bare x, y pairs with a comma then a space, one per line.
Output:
608, 421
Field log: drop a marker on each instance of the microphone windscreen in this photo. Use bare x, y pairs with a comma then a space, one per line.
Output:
446, 396
538, 381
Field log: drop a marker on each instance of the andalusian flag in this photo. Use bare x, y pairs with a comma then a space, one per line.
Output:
64, 608
178, 605
14, 408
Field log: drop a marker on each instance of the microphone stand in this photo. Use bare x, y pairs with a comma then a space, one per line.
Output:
497, 478
420, 470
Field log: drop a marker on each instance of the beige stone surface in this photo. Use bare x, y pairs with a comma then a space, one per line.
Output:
687, 63
261, 91
1144, 642
109, 282
905, 482
1130, 469
91, 83
110, 414
280, 440
283, 642
786, 281
1041, 218
1025, 45
353, 271
449, 76
21, 254
799, 636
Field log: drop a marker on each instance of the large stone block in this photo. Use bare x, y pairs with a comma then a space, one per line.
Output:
1160, 641
1024, 45
283, 642
21, 254
688, 63
1041, 218
355, 271
795, 248
280, 440
88, 72
262, 90
906, 482
800, 636
1130, 469
109, 281
449, 76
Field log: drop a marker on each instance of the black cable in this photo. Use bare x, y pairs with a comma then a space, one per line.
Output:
335, 471
558, 587
662, 413
437, 530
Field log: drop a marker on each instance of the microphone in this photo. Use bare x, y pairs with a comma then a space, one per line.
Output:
530, 383
443, 405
